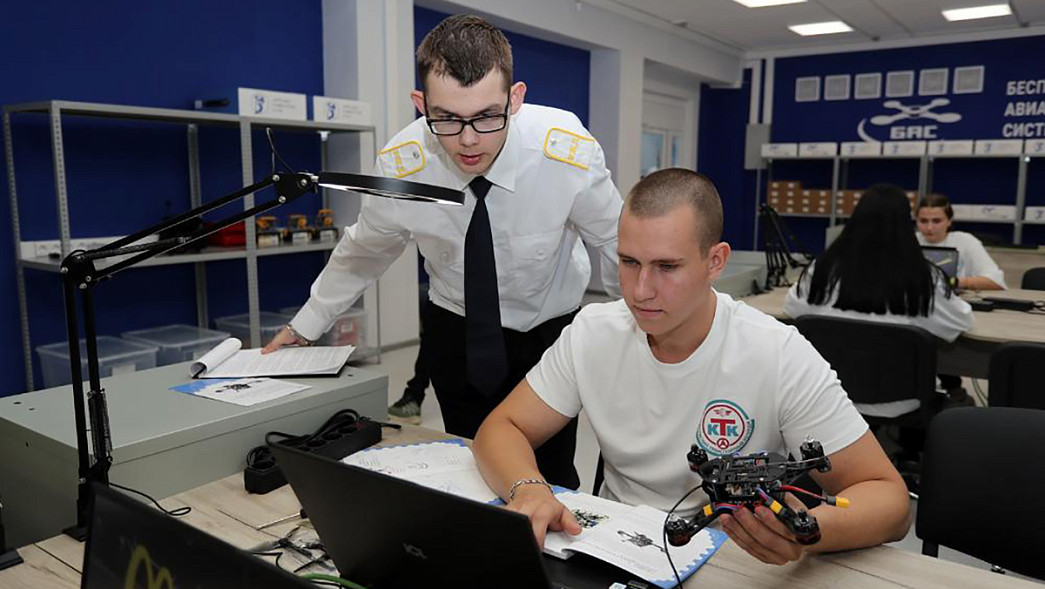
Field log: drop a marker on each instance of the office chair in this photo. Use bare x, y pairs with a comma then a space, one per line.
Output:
981, 484
879, 363
1034, 279
1016, 376
599, 476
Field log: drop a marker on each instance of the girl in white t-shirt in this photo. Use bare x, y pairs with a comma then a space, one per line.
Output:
976, 269
875, 271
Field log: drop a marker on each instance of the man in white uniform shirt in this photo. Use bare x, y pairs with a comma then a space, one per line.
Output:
507, 269
676, 363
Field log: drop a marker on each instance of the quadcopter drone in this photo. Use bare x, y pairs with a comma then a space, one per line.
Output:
738, 482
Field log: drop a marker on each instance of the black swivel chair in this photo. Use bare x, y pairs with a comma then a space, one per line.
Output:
982, 481
596, 484
879, 363
1017, 376
1034, 279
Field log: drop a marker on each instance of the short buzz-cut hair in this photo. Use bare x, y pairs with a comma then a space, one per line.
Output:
659, 193
464, 47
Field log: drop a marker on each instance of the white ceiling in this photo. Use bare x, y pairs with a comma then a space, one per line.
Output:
761, 29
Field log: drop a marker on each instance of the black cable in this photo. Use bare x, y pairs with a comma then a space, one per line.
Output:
277, 553
664, 531
275, 152
339, 419
179, 512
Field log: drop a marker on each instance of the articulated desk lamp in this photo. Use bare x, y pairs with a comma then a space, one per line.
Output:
80, 274
779, 258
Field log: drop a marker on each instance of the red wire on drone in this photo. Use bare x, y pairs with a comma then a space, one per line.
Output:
794, 489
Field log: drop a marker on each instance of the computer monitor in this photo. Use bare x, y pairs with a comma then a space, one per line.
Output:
383, 532
944, 257
130, 544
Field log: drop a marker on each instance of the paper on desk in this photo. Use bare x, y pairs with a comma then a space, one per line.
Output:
228, 360
241, 391
631, 537
446, 466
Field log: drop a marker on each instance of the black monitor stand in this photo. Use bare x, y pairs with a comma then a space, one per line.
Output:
779, 257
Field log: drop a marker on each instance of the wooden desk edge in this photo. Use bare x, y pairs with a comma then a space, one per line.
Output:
57, 562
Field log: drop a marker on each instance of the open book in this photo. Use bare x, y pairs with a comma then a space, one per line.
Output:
629, 537
228, 360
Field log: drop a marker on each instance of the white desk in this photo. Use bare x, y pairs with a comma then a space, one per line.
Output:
969, 355
164, 442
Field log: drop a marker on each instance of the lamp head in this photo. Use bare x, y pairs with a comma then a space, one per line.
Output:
390, 188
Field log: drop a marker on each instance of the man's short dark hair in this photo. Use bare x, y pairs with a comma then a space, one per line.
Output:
464, 47
659, 193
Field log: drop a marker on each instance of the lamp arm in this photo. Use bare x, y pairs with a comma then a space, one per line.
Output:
79, 274
289, 187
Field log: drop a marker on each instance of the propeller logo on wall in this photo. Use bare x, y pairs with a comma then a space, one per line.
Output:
905, 122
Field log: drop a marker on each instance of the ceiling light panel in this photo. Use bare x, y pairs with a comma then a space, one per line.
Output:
764, 3
976, 12
821, 28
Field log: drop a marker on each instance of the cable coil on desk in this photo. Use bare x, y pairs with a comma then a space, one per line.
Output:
344, 433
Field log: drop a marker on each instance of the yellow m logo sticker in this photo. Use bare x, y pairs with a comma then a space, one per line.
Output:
162, 579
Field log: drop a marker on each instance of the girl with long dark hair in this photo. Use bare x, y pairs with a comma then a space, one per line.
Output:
875, 271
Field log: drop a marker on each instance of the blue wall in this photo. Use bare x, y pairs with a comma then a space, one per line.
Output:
720, 155
982, 114
997, 111
994, 112
123, 176
555, 75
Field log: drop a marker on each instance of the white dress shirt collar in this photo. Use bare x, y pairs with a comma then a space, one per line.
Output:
502, 172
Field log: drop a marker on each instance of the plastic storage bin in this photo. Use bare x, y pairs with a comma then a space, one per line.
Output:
178, 343
349, 328
238, 326
115, 356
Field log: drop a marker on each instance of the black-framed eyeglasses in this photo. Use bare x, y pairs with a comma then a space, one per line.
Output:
480, 124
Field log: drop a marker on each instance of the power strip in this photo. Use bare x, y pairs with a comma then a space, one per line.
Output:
263, 474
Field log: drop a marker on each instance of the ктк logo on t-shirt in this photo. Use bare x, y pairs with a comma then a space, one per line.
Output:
724, 428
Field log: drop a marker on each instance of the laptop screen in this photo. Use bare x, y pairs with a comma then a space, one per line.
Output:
944, 257
130, 544
384, 532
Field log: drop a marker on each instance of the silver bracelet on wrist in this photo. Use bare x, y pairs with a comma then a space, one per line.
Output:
301, 340
515, 486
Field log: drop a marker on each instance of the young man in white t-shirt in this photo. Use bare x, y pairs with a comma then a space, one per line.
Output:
676, 363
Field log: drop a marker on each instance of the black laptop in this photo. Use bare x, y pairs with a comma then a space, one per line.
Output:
944, 257
132, 545
384, 532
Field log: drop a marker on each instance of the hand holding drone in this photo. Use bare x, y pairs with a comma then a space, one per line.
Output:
738, 482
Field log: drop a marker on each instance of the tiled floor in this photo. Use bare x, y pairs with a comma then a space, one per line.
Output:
399, 365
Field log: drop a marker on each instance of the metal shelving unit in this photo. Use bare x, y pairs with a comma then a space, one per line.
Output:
55, 110
925, 175
1021, 188
835, 172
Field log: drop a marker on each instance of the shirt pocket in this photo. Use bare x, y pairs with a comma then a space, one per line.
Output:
534, 260
444, 262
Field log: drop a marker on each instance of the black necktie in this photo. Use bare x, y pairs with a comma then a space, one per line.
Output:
486, 361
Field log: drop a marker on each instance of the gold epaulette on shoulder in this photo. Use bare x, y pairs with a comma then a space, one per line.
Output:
569, 147
403, 159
